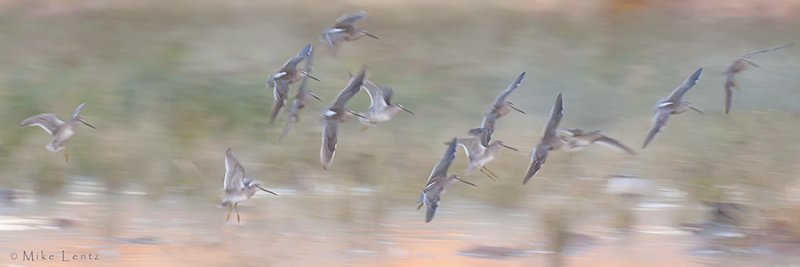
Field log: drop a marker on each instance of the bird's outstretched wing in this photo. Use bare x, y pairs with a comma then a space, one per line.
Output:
762, 51
291, 63
77, 110
538, 157
349, 19
432, 195
501, 98
48, 121
659, 120
539, 154
377, 97
280, 93
350, 90
555, 119
440, 169
472, 146
678, 93
234, 173
729, 85
330, 131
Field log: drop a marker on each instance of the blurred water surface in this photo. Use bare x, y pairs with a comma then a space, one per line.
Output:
171, 85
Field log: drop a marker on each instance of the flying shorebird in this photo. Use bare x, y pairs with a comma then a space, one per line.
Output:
438, 182
237, 187
672, 104
288, 74
338, 113
60, 131
381, 107
576, 139
550, 140
479, 155
301, 99
500, 108
738, 66
345, 30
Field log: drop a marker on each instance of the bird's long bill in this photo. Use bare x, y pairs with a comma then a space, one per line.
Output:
516, 108
357, 114
466, 182
753, 63
371, 35
420, 205
504, 145
86, 123
265, 190
314, 96
696, 109
309, 75
406, 110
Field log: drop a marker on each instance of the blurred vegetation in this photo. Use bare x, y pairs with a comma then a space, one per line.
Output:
171, 85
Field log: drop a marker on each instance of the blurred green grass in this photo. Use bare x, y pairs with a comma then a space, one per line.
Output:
170, 86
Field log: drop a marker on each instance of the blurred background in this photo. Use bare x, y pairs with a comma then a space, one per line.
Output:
170, 85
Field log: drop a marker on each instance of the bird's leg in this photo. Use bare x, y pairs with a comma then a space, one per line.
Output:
236, 208
491, 172
483, 170
228, 214
66, 153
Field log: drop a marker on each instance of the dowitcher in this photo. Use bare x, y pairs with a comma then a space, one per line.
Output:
739, 65
345, 30
500, 108
237, 187
338, 113
479, 154
288, 74
438, 182
381, 107
578, 139
60, 131
550, 140
672, 104
301, 99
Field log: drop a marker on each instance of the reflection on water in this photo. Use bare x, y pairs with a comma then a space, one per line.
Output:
310, 229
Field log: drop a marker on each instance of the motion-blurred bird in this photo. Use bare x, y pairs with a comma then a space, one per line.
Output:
479, 155
739, 65
672, 104
500, 108
60, 131
345, 30
301, 99
438, 182
381, 107
576, 139
288, 74
550, 141
338, 113
237, 187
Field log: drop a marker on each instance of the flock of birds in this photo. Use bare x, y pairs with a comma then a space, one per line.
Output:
478, 145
